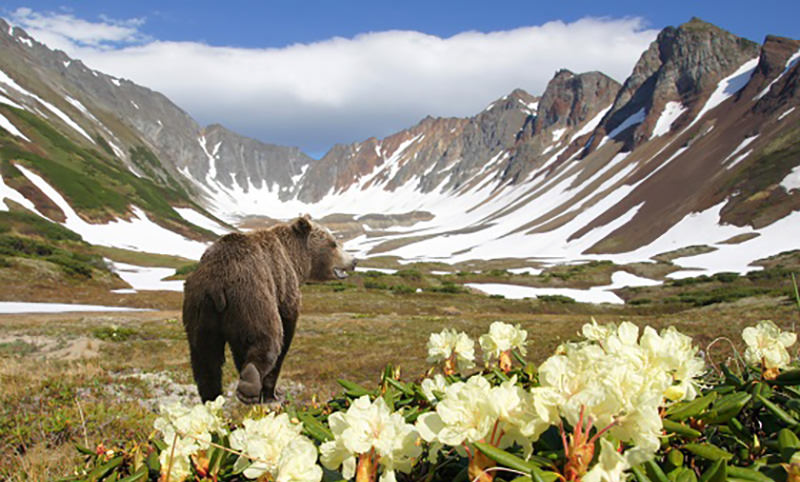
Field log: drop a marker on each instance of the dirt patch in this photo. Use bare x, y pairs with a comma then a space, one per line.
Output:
54, 348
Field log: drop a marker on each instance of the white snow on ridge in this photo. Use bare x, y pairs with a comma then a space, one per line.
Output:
142, 278
635, 118
780, 117
591, 124
11, 128
138, 234
790, 62
746, 142
7, 101
728, 86
204, 222
558, 133
672, 110
792, 180
7, 192
4, 78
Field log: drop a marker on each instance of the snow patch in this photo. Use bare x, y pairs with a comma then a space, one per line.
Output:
558, 133
635, 118
7, 101
592, 124
135, 105
7, 192
142, 278
29, 307
789, 64
672, 110
138, 234
792, 180
364, 269
200, 220
728, 86
11, 128
780, 117
736, 151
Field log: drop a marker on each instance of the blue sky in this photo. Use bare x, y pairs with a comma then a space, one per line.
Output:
314, 73
280, 23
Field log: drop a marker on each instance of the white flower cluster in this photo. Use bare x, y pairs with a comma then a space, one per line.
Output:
617, 378
277, 449
475, 411
448, 346
187, 431
502, 337
370, 429
767, 344
449, 343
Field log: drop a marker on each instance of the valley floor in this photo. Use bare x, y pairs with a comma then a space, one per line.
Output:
97, 378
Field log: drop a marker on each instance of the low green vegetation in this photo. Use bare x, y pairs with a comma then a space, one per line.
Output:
26, 235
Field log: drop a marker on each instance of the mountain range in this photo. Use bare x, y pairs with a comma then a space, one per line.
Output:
699, 146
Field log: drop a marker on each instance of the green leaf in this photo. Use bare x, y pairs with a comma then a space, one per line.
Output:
727, 407
315, 428
788, 377
680, 429
682, 474
84, 450
353, 389
681, 411
778, 411
407, 391
747, 474
708, 451
716, 473
654, 472
639, 474
106, 468
788, 443
137, 476
513, 462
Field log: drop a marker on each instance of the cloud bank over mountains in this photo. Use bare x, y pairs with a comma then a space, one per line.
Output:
313, 95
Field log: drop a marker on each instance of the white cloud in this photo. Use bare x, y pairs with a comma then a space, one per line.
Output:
66, 32
345, 89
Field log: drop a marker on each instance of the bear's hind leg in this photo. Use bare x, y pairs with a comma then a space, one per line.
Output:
256, 349
207, 350
269, 381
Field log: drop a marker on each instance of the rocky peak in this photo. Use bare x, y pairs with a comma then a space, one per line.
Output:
683, 64
252, 162
571, 99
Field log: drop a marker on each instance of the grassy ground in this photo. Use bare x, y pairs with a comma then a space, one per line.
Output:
97, 378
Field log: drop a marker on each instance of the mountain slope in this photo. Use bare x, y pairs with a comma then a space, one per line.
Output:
699, 146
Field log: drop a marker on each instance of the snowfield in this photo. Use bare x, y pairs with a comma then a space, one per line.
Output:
7, 307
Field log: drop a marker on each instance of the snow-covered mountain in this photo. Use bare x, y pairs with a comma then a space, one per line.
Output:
699, 146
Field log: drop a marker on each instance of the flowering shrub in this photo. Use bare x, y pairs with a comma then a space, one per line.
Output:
618, 404
454, 349
500, 341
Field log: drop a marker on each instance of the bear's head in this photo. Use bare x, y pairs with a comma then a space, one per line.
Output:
329, 260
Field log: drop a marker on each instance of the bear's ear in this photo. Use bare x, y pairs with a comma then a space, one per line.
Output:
302, 225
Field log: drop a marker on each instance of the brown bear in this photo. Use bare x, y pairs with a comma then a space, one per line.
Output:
246, 292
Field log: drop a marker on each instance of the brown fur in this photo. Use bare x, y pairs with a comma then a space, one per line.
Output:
246, 292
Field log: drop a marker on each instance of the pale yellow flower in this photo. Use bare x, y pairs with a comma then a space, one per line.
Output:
449, 343
503, 337
370, 428
267, 440
610, 466
766, 344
